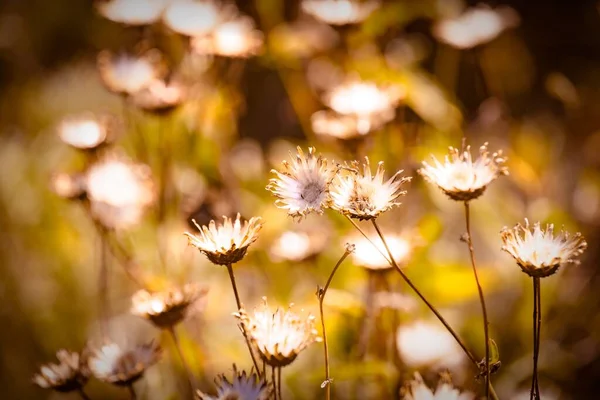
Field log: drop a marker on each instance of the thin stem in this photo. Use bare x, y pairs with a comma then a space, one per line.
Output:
275, 391
132, 394
279, 382
481, 300
321, 295
537, 324
369, 239
239, 306
83, 395
188, 371
414, 288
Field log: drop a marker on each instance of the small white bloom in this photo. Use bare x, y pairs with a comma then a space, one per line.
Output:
243, 386
132, 12
418, 390
340, 12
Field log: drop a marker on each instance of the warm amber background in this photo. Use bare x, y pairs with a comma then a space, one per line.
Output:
48, 260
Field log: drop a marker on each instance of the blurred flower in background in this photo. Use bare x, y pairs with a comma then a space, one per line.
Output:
127, 74
132, 12
236, 38
340, 12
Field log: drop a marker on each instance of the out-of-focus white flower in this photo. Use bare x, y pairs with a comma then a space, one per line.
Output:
122, 367
119, 191
346, 127
368, 256
426, 344
538, 251
477, 25
461, 178
340, 12
68, 375
418, 390
128, 73
159, 97
68, 186
236, 38
278, 336
302, 186
132, 12
359, 194
197, 17
85, 131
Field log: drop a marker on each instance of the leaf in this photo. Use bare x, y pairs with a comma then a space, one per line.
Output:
494, 352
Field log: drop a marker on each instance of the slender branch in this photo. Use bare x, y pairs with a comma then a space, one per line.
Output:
469, 240
369, 239
274, 380
132, 394
414, 288
321, 295
239, 306
83, 395
188, 371
537, 324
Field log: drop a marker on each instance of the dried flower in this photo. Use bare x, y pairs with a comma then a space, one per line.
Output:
302, 186
167, 308
132, 12
370, 257
243, 386
112, 364
538, 251
197, 17
418, 390
461, 178
159, 98
236, 38
228, 242
364, 99
126, 74
119, 191
85, 131
68, 375
426, 344
340, 12
347, 127
359, 194
477, 25
278, 336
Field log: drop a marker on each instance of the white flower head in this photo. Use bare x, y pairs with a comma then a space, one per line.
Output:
228, 242
418, 390
69, 374
243, 386
278, 336
127, 74
302, 186
197, 17
340, 12
132, 12
121, 367
460, 177
359, 194
538, 251
237, 38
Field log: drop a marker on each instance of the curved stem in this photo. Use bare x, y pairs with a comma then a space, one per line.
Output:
132, 394
239, 306
414, 288
188, 371
537, 324
481, 300
83, 395
321, 295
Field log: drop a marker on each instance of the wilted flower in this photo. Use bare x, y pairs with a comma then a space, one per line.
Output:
370, 257
364, 99
302, 186
226, 243
340, 12
68, 375
169, 307
236, 38
461, 178
119, 191
477, 25
418, 390
159, 97
127, 73
68, 186
423, 343
197, 17
359, 194
85, 131
278, 336
243, 386
122, 367
538, 251
132, 12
